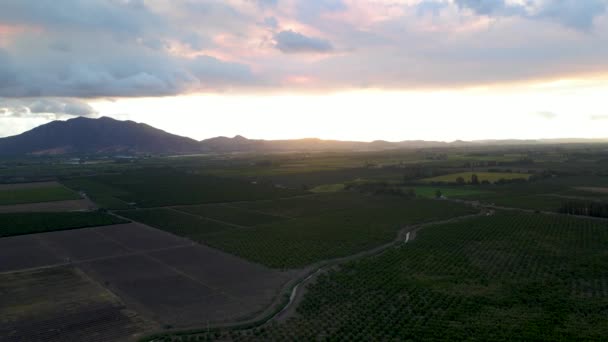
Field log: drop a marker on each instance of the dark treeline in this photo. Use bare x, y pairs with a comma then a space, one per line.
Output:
585, 208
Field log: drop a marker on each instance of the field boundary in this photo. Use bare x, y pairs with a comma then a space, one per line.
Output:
285, 303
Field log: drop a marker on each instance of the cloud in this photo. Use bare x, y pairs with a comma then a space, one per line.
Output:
53, 108
599, 117
570, 13
294, 42
122, 48
491, 7
573, 13
546, 115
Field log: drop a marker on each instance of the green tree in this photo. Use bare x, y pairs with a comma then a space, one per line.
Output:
460, 181
474, 179
438, 194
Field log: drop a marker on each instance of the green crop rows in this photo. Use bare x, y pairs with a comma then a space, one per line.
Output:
34, 195
176, 222
230, 214
27, 223
509, 277
331, 233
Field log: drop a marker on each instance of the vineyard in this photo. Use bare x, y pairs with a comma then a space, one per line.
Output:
512, 276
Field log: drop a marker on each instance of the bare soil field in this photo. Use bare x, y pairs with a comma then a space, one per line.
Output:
68, 205
63, 304
165, 279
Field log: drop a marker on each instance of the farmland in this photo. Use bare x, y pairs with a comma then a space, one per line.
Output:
80, 309
491, 177
454, 191
217, 242
114, 278
162, 187
27, 223
35, 192
506, 277
327, 227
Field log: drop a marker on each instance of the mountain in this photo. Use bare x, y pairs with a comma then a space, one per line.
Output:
103, 135
107, 135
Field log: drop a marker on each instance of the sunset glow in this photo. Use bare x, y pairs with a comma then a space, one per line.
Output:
335, 69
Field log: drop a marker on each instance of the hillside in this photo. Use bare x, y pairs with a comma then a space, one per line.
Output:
103, 135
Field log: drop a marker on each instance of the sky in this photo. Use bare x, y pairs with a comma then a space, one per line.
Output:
334, 69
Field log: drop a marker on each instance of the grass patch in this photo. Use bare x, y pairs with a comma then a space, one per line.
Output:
48, 193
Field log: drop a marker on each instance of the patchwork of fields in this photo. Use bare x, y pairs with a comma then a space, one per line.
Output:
296, 232
217, 240
502, 278
163, 187
491, 177
141, 275
41, 197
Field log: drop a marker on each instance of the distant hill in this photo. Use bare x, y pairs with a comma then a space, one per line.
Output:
103, 135
110, 136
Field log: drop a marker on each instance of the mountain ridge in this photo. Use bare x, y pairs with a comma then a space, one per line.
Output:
108, 135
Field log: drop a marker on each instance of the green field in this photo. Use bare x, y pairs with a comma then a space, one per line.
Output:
176, 222
509, 277
491, 177
163, 187
28, 223
328, 188
306, 205
291, 233
331, 233
457, 191
44, 193
103, 195
230, 214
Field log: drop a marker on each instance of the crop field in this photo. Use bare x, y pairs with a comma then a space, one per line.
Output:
502, 278
295, 232
104, 196
328, 188
28, 223
55, 206
307, 205
63, 304
455, 191
162, 187
231, 214
35, 192
161, 278
176, 222
332, 233
491, 177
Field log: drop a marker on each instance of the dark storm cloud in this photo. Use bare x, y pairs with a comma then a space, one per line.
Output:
294, 42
